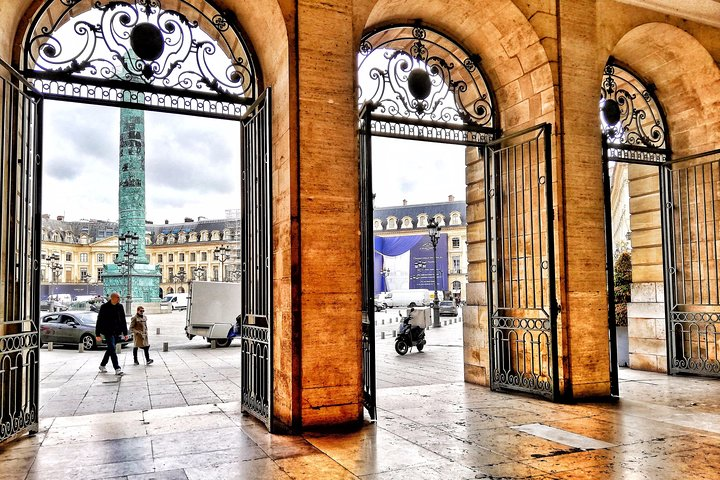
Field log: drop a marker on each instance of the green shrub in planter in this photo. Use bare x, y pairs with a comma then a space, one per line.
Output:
623, 280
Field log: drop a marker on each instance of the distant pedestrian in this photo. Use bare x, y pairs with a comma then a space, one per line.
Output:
111, 327
138, 327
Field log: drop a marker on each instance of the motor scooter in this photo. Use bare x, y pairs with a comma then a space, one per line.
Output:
409, 336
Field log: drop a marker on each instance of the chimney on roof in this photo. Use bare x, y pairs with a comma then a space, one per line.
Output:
60, 218
451, 198
188, 220
404, 202
167, 221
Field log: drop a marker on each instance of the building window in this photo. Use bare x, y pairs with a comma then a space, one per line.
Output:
101, 258
456, 242
377, 224
171, 274
456, 286
422, 220
440, 219
455, 218
181, 257
407, 222
203, 256
68, 257
171, 257
192, 256
99, 274
204, 236
160, 258
456, 264
215, 235
392, 223
83, 257
216, 274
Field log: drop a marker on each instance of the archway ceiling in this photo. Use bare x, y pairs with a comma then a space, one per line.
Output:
687, 81
701, 11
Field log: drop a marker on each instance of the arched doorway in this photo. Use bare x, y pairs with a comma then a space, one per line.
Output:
676, 197
422, 85
189, 58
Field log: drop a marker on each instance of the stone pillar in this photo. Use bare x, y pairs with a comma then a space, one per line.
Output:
584, 342
331, 370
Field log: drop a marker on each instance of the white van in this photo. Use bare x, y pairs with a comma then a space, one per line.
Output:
415, 297
175, 301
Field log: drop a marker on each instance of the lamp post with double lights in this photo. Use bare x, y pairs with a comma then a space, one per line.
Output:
198, 273
128, 244
222, 253
55, 269
179, 277
434, 234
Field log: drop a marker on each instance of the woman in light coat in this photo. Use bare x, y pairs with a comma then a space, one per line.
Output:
138, 327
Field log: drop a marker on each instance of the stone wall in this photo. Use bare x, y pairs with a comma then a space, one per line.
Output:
646, 327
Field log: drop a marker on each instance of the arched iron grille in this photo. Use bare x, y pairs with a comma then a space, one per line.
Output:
138, 53
631, 118
422, 85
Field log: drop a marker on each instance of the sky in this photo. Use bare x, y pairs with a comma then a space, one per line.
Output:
192, 166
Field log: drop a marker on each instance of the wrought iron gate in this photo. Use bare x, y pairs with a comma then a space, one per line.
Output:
20, 150
367, 249
256, 260
691, 230
522, 302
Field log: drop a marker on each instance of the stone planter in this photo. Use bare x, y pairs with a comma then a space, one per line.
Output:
623, 350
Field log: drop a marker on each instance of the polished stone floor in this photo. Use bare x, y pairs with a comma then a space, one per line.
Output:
431, 425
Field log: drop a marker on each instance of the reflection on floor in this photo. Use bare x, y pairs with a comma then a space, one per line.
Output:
662, 428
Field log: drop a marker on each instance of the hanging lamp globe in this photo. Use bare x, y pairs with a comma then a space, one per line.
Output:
419, 83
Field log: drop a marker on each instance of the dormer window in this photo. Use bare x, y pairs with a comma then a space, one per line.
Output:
227, 235
160, 239
193, 237
422, 220
215, 235
182, 238
170, 239
455, 218
440, 219
377, 224
204, 235
392, 223
407, 222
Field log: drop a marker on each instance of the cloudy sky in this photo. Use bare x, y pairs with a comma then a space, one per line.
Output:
192, 166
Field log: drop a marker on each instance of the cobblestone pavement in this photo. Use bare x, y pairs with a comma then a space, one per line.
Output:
178, 419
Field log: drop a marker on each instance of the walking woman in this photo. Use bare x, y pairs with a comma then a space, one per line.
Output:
138, 327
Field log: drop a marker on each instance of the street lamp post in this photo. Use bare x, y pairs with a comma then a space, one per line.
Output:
128, 242
55, 269
222, 253
198, 273
179, 277
434, 233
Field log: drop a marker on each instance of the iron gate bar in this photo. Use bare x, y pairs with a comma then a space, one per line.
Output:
367, 248
521, 331
256, 250
20, 153
692, 311
610, 271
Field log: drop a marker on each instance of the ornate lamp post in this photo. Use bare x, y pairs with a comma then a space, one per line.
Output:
85, 278
198, 273
55, 269
434, 233
222, 253
179, 277
129, 243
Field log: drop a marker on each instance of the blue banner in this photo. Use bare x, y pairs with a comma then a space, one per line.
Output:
422, 264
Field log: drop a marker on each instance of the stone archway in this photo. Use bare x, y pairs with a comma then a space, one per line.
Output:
519, 71
687, 84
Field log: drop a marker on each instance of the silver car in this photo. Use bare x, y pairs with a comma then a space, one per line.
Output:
448, 307
70, 328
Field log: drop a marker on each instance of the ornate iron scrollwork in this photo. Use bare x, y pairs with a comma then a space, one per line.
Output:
630, 115
413, 72
136, 45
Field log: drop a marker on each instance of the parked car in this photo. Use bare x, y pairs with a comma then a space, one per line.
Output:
70, 328
52, 306
448, 307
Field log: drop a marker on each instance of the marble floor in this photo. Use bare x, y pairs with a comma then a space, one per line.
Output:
431, 425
